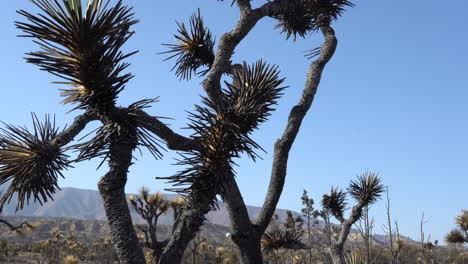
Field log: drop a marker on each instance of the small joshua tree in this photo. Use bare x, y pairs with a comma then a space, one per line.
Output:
459, 235
366, 190
150, 207
82, 46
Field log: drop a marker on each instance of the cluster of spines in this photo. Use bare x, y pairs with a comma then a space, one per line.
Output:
194, 48
223, 131
83, 47
31, 162
299, 17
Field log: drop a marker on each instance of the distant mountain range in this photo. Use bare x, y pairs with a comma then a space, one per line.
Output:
81, 204
87, 205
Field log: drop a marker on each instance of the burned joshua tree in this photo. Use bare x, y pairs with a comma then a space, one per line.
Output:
82, 46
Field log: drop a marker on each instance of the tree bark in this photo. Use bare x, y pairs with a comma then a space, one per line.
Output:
112, 190
249, 248
336, 254
296, 116
245, 235
185, 229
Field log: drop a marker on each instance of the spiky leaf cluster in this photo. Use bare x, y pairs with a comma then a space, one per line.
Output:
194, 48
455, 236
31, 162
82, 45
276, 239
223, 131
366, 189
125, 127
299, 17
335, 202
462, 221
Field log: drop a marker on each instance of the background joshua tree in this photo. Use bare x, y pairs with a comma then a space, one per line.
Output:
82, 46
366, 190
459, 235
150, 207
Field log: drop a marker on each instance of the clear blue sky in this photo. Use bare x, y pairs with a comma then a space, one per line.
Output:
393, 99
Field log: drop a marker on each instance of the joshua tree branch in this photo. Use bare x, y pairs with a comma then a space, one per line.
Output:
296, 116
13, 227
173, 140
346, 225
244, 5
72, 131
228, 42
237, 210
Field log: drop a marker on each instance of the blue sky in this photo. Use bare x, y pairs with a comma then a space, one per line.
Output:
393, 100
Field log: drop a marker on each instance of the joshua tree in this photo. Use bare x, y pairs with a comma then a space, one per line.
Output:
366, 190
231, 114
150, 207
459, 235
82, 46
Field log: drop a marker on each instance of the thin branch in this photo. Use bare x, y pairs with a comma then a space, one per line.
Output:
237, 210
227, 44
296, 116
72, 131
173, 140
356, 213
15, 228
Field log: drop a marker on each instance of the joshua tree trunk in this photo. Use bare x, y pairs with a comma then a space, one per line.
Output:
245, 235
336, 254
249, 250
112, 190
185, 229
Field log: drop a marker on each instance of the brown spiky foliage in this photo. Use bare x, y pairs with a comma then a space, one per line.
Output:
459, 235
335, 202
455, 236
276, 239
130, 127
462, 221
223, 132
299, 17
366, 189
289, 235
31, 161
83, 47
194, 48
